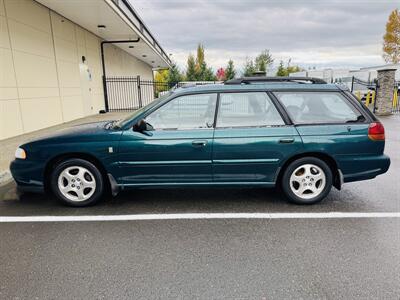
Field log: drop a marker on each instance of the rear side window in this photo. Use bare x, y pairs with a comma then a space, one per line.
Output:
247, 110
318, 107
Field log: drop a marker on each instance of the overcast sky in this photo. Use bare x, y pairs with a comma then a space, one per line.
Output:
318, 33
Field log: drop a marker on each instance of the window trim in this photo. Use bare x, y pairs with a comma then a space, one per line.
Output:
285, 123
271, 93
281, 109
216, 111
344, 96
146, 114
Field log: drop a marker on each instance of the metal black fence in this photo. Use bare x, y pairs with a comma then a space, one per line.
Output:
126, 93
361, 85
365, 91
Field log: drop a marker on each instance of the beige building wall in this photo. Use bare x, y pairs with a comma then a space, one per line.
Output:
120, 63
43, 81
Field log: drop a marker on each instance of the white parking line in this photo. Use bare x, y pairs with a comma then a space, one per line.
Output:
200, 216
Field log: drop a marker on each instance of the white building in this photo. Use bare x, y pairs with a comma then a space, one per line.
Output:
371, 73
51, 60
333, 75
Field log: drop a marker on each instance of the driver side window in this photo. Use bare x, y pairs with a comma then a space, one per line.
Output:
185, 112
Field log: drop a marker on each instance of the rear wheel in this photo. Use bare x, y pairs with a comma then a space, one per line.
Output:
77, 182
307, 180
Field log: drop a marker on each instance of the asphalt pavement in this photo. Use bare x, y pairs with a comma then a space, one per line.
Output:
287, 258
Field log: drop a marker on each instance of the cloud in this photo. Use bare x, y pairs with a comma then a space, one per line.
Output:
313, 33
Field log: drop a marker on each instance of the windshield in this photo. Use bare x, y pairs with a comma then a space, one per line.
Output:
121, 123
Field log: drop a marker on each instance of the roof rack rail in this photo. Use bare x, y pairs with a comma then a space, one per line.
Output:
249, 80
187, 85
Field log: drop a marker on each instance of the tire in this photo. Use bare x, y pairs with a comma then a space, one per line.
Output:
307, 180
77, 182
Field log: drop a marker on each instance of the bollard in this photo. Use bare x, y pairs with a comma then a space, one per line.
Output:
373, 97
358, 95
368, 98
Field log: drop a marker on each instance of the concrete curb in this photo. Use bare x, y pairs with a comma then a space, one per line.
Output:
5, 177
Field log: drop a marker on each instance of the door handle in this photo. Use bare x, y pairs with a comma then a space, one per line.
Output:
199, 143
286, 141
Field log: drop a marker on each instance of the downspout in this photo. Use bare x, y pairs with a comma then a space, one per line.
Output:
103, 64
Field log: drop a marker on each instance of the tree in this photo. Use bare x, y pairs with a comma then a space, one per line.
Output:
261, 64
230, 72
161, 79
200, 58
263, 61
191, 69
197, 68
220, 74
208, 74
174, 74
293, 69
391, 39
202, 71
262, 67
201, 65
249, 68
281, 70
161, 75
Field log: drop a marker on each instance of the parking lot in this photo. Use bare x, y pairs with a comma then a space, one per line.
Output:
306, 253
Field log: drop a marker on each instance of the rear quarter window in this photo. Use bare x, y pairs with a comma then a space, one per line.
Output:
318, 107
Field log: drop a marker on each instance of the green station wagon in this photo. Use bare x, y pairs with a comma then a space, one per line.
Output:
300, 134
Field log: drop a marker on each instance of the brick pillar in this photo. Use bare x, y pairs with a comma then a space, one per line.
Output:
384, 93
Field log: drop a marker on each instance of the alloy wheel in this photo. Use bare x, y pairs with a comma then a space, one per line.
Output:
76, 183
307, 181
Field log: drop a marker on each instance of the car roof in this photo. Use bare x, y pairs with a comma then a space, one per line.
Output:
287, 86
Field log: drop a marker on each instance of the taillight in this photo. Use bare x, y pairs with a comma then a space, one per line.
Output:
376, 131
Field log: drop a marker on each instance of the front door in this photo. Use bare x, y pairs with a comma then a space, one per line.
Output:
179, 148
251, 139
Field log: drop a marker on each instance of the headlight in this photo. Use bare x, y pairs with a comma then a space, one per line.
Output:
20, 153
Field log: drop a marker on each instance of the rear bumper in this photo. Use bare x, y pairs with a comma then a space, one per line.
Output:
363, 168
28, 175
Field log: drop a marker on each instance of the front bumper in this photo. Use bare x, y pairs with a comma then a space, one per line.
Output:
28, 175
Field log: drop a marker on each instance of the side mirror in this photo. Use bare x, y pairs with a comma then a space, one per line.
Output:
142, 126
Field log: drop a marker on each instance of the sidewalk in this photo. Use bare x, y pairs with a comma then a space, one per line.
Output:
8, 146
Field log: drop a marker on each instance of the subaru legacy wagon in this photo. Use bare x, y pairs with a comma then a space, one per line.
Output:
299, 134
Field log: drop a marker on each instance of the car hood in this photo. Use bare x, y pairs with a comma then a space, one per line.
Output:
97, 131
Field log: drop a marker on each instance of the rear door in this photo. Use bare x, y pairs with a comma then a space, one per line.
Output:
329, 122
251, 139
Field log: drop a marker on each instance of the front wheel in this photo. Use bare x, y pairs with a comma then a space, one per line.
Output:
307, 180
77, 182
